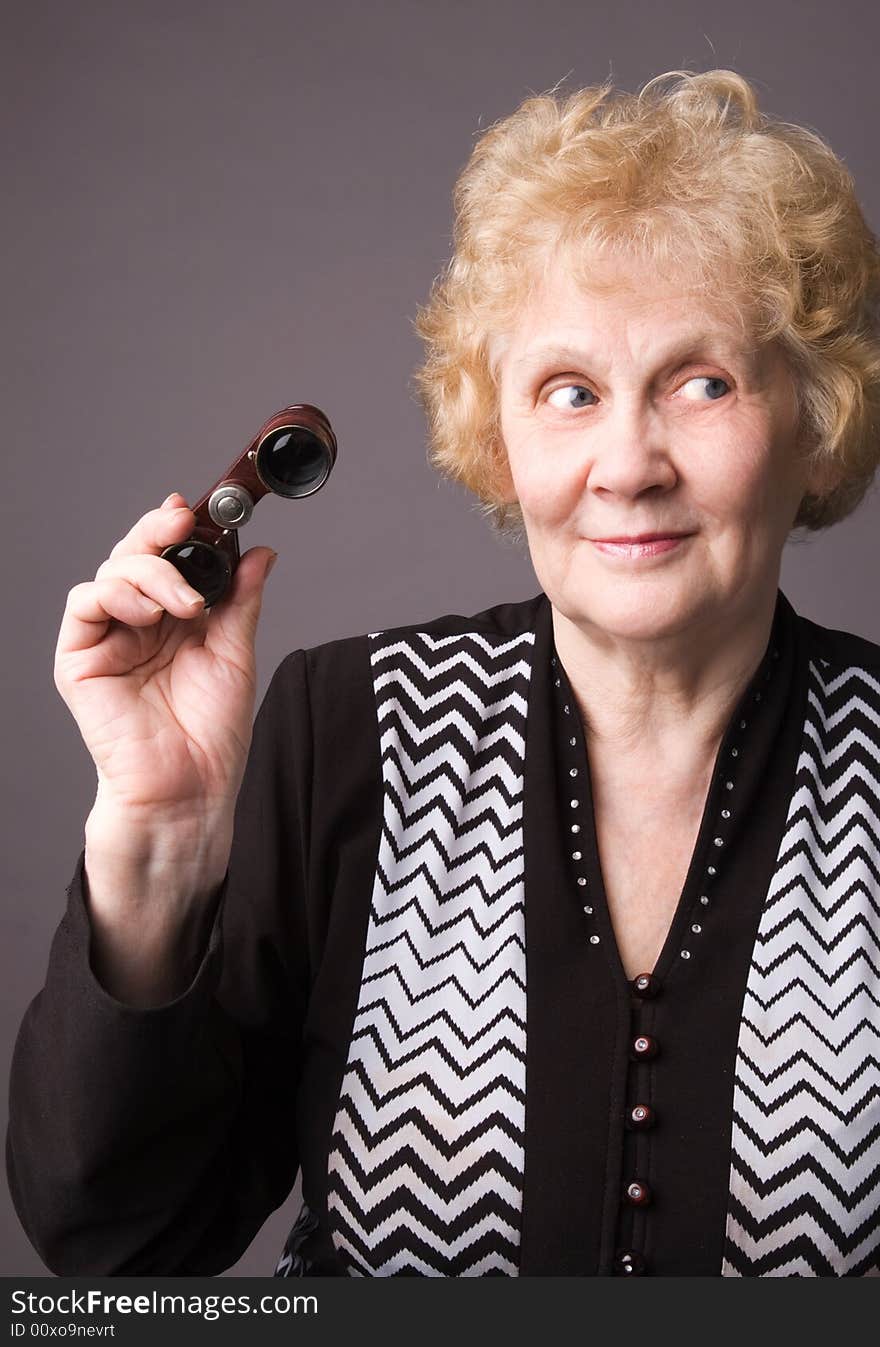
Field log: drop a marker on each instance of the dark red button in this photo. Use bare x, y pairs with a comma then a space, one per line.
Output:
629, 1264
640, 1117
644, 1047
646, 985
637, 1193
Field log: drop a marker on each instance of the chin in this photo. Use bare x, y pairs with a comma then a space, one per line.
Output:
634, 612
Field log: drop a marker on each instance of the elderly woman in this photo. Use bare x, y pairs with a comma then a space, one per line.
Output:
542, 941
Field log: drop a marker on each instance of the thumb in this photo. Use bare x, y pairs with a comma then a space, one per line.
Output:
238, 612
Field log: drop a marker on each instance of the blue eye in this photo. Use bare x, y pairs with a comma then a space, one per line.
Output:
714, 387
570, 395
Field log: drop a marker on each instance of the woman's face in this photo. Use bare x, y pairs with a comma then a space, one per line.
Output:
648, 410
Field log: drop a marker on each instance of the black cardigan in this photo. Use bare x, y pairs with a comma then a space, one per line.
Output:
412, 991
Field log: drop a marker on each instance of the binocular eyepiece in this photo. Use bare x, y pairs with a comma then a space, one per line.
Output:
292, 455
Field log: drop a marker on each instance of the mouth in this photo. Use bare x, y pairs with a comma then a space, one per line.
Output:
640, 545
639, 537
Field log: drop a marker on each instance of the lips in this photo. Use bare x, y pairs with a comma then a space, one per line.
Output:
640, 538
639, 548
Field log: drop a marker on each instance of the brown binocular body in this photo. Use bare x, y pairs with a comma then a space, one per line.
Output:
291, 455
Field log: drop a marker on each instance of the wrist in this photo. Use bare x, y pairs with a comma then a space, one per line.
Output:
153, 838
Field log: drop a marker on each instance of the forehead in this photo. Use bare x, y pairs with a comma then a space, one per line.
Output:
629, 305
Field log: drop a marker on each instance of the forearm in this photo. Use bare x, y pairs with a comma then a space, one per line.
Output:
154, 1135
121, 1119
151, 897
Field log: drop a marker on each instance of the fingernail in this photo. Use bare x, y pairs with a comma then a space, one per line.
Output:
272, 560
168, 500
187, 596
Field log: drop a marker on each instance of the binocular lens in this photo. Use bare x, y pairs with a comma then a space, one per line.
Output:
205, 567
293, 461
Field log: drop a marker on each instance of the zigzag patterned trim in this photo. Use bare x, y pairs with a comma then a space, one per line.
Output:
293, 1262
426, 1158
805, 1165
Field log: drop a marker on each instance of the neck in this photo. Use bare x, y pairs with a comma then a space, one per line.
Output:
665, 701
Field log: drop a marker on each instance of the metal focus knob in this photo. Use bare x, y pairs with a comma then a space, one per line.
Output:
230, 505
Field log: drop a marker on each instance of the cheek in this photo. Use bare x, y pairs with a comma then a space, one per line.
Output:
743, 486
544, 488
770, 482
545, 496
740, 480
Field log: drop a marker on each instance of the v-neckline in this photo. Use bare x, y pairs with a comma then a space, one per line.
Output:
723, 799
680, 873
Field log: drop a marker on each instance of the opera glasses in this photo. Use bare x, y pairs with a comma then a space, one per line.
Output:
292, 455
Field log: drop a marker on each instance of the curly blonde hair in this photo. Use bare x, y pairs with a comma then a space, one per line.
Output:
688, 172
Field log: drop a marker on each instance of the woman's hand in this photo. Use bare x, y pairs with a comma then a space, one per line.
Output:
162, 691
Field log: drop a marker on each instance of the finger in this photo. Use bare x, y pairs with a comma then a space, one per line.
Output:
155, 576
92, 605
134, 590
157, 529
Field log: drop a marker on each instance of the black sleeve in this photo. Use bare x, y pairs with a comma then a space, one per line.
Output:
157, 1141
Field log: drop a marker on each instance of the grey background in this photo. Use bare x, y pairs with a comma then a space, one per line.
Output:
214, 209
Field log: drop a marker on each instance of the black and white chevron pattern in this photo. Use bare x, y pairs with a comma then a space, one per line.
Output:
427, 1152
805, 1165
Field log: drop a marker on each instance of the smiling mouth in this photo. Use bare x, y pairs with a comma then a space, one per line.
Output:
634, 549
641, 537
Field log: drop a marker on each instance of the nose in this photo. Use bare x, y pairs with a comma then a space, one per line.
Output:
629, 453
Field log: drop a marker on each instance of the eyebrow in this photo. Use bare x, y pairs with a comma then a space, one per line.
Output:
563, 354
